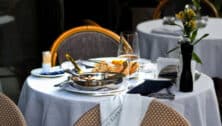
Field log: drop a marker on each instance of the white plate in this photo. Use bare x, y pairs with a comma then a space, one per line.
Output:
102, 92
38, 72
159, 79
107, 59
69, 65
90, 63
145, 64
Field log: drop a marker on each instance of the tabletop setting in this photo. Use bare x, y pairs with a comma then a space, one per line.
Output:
117, 84
110, 75
126, 86
75, 82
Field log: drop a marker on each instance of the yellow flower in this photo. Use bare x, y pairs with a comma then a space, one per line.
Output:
192, 24
180, 15
190, 14
188, 19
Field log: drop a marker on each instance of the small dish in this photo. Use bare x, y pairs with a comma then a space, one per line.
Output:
54, 72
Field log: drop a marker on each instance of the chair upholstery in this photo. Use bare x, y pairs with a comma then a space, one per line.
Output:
159, 114
10, 114
85, 42
90, 118
174, 6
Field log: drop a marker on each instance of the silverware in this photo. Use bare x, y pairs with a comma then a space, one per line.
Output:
62, 83
77, 68
72, 72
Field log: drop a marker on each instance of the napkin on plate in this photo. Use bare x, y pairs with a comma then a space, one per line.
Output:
167, 30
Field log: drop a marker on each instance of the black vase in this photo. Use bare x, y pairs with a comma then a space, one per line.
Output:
186, 79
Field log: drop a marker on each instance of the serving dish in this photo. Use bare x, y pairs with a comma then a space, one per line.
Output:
96, 81
99, 92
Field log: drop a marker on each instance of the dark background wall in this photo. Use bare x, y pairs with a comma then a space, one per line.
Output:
39, 22
60, 15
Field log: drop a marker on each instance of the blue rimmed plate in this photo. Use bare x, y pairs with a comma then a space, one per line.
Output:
54, 72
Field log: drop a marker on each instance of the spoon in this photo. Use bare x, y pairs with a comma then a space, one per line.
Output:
77, 68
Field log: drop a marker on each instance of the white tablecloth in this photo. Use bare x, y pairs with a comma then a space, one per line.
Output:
154, 45
45, 105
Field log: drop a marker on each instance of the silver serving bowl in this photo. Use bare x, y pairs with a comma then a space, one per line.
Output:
96, 81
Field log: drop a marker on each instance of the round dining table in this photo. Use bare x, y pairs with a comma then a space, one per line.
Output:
43, 104
157, 38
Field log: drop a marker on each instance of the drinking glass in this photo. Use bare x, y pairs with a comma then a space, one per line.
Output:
46, 61
129, 50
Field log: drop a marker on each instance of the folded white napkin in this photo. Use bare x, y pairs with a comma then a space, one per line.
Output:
110, 111
168, 30
124, 110
133, 109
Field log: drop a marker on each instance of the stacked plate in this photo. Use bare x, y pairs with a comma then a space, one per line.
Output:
96, 84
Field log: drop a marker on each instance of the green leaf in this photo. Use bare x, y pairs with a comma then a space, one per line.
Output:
175, 48
195, 42
196, 58
193, 36
196, 3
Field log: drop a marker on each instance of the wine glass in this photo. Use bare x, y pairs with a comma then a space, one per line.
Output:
129, 50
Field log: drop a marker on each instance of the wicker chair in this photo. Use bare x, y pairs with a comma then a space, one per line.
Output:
85, 42
90, 118
10, 114
160, 114
172, 5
